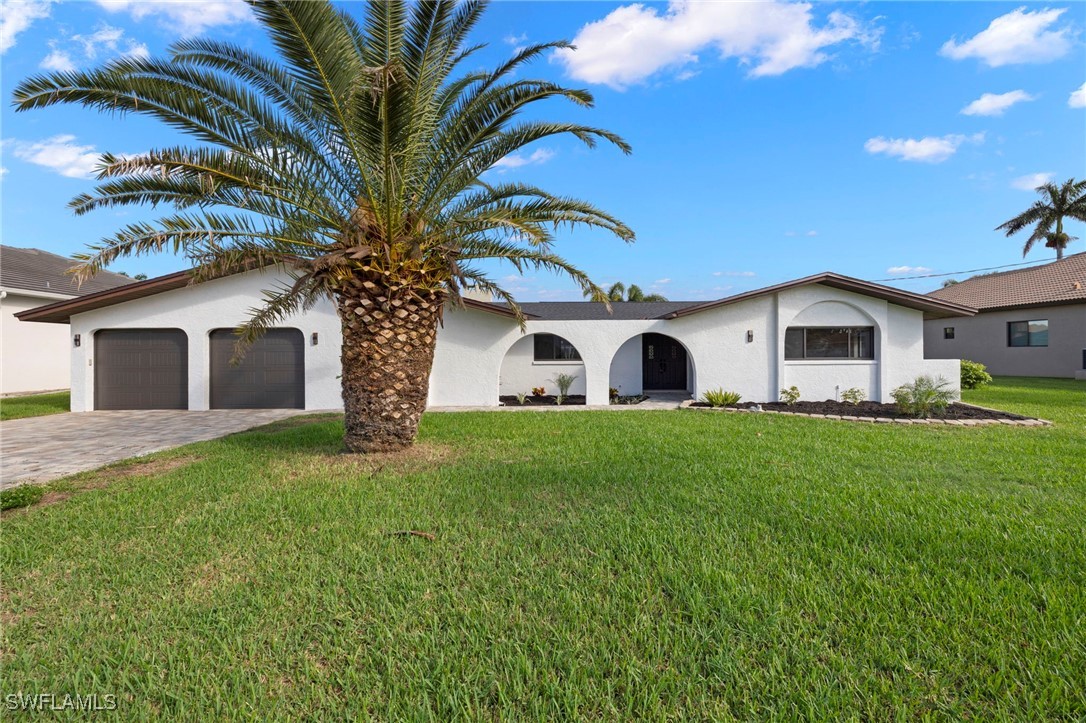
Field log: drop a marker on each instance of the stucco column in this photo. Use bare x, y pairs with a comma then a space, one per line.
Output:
597, 378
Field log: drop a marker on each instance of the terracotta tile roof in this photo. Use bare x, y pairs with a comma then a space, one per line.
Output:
1060, 282
37, 270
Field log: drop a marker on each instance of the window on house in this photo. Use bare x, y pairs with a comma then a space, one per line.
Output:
551, 347
816, 342
1027, 333
948, 332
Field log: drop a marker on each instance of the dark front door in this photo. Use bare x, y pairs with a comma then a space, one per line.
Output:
271, 375
663, 362
141, 369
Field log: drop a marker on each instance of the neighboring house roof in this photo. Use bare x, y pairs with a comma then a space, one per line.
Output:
1060, 282
37, 270
61, 311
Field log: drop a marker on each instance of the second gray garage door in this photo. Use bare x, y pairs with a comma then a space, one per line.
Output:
270, 376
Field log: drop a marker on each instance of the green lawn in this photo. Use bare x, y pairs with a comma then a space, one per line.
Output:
34, 405
585, 565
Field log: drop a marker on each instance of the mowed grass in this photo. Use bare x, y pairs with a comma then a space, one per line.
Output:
34, 405
584, 565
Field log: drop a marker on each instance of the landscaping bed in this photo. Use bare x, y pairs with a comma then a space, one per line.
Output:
872, 410
510, 400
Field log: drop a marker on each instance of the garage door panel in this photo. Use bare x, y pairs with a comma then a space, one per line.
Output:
271, 375
141, 369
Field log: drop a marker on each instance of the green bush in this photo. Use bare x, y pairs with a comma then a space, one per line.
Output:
924, 397
720, 398
974, 375
853, 396
790, 395
563, 382
22, 496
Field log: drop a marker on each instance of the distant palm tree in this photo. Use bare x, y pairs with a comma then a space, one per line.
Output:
354, 159
1047, 215
618, 291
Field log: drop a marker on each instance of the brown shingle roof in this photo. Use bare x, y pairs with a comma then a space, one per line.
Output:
37, 270
1060, 282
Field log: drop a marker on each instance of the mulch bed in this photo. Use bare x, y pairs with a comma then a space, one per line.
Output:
872, 410
509, 400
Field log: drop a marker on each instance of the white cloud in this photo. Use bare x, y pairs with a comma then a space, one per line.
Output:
930, 149
516, 160
908, 270
1030, 181
1020, 36
515, 39
812, 233
636, 41
60, 154
16, 16
105, 40
661, 281
996, 103
3, 171
1078, 97
184, 18
734, 273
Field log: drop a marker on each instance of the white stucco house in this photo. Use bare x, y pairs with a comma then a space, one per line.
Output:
165, 343
34, 356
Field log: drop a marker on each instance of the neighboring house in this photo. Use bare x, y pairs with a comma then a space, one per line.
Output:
1030, 322
35, 356
166, 343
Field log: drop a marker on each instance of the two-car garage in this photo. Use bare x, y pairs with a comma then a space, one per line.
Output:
148, 369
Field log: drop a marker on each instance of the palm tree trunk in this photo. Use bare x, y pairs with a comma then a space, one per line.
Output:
1059, 237
388, 350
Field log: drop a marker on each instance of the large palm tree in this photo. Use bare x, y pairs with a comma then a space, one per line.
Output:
1046, 216
355, 159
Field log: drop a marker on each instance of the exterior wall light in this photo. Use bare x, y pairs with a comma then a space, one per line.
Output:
75, 340
313, 338
750, 335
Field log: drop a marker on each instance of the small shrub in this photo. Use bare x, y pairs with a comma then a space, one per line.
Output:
613, 393
974, 375
790, 395
853, 396
923, 397
720, 398
539, 391
522, 398
22, 496
563, 382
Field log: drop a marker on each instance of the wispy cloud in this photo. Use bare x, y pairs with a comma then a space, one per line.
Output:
1078, 97
908, 270
634, 42
1030, 181
184, 18
517, 160
61, 154
1020, 36
18, 15
930, 149
734, 273
68, 52
661, 282
996, 103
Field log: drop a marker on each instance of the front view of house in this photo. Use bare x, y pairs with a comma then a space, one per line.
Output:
166, 344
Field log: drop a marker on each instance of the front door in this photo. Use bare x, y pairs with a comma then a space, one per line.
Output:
663, 362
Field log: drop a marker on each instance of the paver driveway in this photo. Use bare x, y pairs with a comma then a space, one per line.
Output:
39, 449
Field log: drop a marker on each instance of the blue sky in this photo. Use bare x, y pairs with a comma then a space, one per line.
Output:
771, 140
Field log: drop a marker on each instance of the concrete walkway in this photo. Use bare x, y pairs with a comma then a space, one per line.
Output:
656, 400
40, 449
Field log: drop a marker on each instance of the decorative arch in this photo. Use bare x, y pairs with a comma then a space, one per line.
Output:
535, 360
628, 372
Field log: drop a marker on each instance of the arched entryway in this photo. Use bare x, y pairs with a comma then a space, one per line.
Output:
652, 362
538, 360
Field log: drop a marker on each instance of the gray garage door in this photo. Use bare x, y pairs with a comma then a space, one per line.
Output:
270, 376
141, 369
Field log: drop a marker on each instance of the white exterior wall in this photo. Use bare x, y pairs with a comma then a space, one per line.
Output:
34, 355
480, 355
199, 310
